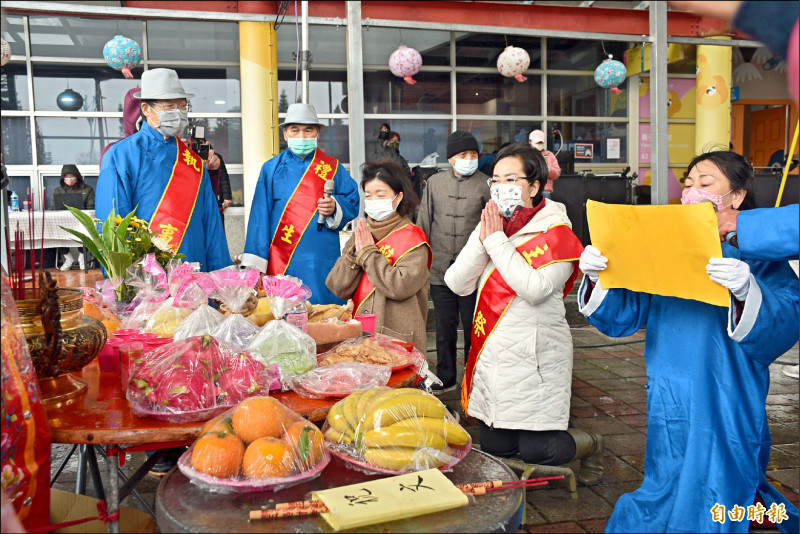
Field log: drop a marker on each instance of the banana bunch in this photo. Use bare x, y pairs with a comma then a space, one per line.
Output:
402, 429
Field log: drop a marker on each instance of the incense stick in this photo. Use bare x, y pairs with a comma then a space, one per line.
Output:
41, 250
33, 247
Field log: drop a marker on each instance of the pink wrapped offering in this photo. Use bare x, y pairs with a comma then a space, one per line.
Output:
339, 380
193, 380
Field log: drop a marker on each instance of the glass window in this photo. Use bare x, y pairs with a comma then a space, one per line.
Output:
75, 140
379, 43
327, 44
386, 93
418, 137
215, 90
596, 134
225, 135
334, 139
191, 40
14, 87
483, 49
327, 90
20, 184
492, 134
102, 88
17, 141
14, 34
581, 96
494, 94
571, 54
51, 182
78, 37
237, 189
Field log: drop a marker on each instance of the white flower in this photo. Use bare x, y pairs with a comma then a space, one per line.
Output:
160, 244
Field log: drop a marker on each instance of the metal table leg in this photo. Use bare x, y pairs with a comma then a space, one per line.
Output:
62, 465
80, 481
95, 472
112, 464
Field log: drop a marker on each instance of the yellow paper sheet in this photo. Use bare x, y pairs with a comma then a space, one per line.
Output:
389, 499
661, 250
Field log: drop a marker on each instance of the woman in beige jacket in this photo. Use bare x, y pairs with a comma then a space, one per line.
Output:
385, 267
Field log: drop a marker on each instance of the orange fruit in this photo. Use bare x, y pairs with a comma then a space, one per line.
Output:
306, 443
259, 417
267, 458
218, 454
218, 425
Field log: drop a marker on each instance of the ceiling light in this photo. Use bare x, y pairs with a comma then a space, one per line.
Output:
220, 102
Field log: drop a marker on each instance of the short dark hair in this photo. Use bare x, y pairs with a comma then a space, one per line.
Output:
395, 134
533, 162
143, 119
393, 175
736, 168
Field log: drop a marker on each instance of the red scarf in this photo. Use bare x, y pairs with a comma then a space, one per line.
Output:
520, 218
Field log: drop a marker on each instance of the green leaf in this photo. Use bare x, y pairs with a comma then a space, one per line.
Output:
123, 226
86, 221
108, 230
304, 445
118, 263
90, 246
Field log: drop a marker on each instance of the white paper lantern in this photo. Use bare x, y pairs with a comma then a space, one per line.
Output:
5, 48
513, 62
405, 62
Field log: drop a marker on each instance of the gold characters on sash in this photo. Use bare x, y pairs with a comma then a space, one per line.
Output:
322, 169
480, 320
190, 160
167, 231
530, 254
387, 251
288, 230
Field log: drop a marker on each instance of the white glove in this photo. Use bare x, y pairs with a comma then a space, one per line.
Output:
731, 273
592, 262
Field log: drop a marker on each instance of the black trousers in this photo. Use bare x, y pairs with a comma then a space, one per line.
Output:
448, 306
545, 447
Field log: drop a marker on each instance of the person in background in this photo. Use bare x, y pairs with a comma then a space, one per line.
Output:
523, 259
537, 140
156, 173
385, 267
708, 368
293, 229
486, 162
72, 182
451, 207
378, 148
131, 118
394, 144
220, 181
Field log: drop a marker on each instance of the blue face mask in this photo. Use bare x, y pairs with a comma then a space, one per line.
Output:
466, 167
302, 146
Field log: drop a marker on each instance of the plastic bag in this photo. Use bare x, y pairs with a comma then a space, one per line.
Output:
285, 294
193, 380
339, 380
377, 349
150, 281
166, 319
395, 431
200, 322
236, 331
278, 342
429, 160
234, 287
259, 445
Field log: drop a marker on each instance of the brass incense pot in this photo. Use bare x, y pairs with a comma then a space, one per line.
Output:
60, 338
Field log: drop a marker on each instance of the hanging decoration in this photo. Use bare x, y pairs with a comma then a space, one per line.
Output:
404, 63
610, 74
513, 62
69, 100
122, 54
6, 53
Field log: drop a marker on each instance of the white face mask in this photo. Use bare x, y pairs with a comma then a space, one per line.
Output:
507, 197
538, 146
465, 167
380, 209
169, 122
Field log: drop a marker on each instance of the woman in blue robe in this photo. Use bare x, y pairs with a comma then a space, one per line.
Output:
708, 441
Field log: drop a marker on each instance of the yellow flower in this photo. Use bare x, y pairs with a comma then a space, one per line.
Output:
138, 239
117, 220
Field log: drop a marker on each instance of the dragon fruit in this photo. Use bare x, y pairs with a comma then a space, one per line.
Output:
242, 377
184, 390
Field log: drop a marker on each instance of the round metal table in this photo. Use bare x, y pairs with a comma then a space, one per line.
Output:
185, 507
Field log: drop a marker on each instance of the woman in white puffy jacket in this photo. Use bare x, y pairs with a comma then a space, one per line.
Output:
523, 257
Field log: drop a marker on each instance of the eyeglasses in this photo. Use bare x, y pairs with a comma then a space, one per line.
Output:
173, 107
509, 179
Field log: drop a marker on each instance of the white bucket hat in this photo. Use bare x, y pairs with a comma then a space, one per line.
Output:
301, 114
161, 84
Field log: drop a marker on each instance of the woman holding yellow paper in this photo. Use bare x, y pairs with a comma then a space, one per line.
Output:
708, 440
522, 258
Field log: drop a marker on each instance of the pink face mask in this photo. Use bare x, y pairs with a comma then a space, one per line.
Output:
693, 195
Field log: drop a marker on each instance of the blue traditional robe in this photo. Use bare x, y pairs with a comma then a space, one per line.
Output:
708, 441
134, 174
769, 233
317, 251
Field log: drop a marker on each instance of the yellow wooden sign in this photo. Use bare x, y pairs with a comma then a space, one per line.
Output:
389, 499
636, 61
661, 250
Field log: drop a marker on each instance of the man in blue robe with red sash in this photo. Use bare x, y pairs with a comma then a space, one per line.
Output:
154, 172
284, 232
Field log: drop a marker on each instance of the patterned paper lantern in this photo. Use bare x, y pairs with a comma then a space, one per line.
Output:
513, 62
610, 73
404, 63
122, 54
6, 53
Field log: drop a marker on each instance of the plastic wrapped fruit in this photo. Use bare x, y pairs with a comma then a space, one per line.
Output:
395, 431
257, 445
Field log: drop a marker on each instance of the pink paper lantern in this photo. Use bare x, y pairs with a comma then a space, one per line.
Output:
5, 49
513, 62
404, 63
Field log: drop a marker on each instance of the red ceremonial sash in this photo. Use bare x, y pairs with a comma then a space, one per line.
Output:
394, 246
557, 244
174, 210
299, 211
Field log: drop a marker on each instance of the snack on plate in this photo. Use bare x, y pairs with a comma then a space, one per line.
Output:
339, 380
318, 313
258, 445
377, 349
395, 431
193, 380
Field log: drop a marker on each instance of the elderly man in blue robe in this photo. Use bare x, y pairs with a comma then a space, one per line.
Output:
154, 172
296, 215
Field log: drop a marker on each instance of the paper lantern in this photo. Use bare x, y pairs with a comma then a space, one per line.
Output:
513, 62
122, 54
404, 63
6, 53
610, 73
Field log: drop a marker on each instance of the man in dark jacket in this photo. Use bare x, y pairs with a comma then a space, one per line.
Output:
72, 182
